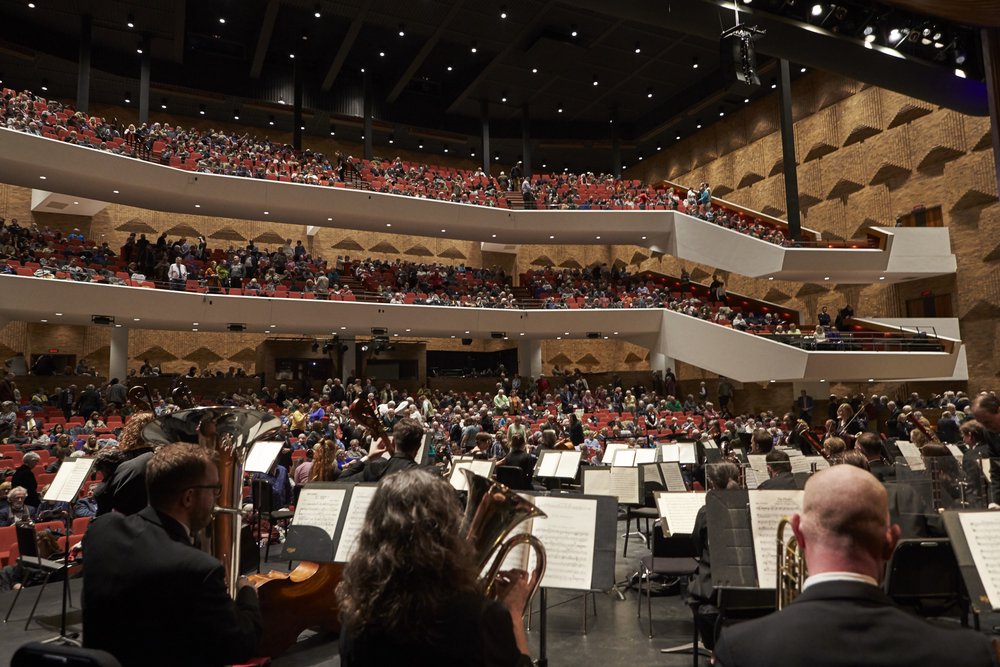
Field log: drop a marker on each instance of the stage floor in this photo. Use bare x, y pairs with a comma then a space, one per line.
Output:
615, 636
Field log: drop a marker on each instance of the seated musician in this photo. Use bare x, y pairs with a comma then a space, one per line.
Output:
834, 448
702, 595
842, 616
150, 597
974, 437
410, 593
779, 469
519, 457
908, 509
407, 436
870, 444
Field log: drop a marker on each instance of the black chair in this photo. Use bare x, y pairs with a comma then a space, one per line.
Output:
647, 511
513, 477
673, 556
263, 504
923, 576
740, 603
37, 654
31, 561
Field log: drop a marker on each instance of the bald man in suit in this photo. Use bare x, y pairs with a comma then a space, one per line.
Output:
842, 618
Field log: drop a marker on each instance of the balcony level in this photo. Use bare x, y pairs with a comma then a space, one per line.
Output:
901, 253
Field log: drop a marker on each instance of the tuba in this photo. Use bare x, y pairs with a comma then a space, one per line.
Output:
491, 513
230, 432
791, 567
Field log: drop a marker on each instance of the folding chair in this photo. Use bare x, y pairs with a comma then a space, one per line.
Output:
31, 561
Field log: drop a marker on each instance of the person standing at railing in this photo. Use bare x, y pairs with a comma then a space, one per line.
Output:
177, 275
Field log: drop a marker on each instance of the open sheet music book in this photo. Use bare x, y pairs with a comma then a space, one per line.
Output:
767, 509
679, 510
555, 463
328, 520
759, 464
624, 483
911, 454
578, 533
71, 476
610, 449
975, 539
673, 478
480, 467
262, 456
684, 453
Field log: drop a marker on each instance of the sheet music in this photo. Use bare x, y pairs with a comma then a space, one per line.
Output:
457, 478
569, 462
738, 452
752, 479
710, 444
767, 509
624, 457
670, 452
688, 453
680, 510
361, 497
320, 508
610, 449
982, 530
262, 456
759, 464
71, 476
803, 463
482, 468
956, 452
672, 476
568, 535
548, 463
911, 454
624, 483
597, 482
645, 456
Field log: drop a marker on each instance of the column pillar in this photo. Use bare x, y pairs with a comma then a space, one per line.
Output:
144, 67
118, 366
658, 359
616, 145
484, 113
349, 359
369, 130
525, 142
991, 64
789, 165
529, 358
296, 106
83, 71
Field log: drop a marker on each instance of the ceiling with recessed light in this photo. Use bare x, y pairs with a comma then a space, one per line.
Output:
577, 71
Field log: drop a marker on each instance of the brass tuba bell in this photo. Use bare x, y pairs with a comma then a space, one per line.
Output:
492, 511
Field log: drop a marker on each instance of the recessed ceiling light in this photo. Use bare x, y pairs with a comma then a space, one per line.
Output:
803, 70
698, 126
534, 70
677, 138
197, 205
329, 219
558, 337
449, 68
388, 224
115, 191
76, 203
616, 333
118, 326
466, 332
267, 213
494, 236
407, 331
194, 330
194, 324
826, 278
521, 334
44, 320
770, 278
643, 238
551, 236
381, 54
222, 19
136, 319
274, 326
58, 314
402, 31
503, 12
598, 238
42, 178
881, 277
473, 47
559, 110
443, 231
452, 336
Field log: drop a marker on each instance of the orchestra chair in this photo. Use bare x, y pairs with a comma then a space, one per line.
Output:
922, 576
31, 561
742, 603
39, 654
513, 477
263, 504
673, 556
645, 511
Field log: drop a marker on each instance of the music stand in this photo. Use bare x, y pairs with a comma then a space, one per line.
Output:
65, 488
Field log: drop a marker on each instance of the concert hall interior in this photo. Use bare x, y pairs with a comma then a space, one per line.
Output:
626, 275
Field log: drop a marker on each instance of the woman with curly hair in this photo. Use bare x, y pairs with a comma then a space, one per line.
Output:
411, 592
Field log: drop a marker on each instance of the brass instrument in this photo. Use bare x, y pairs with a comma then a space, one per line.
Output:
791, 567
231, 432
491, 513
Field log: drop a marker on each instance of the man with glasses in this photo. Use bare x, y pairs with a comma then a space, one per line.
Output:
150, 597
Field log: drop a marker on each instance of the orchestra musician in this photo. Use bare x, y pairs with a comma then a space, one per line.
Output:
870, 444
779, 469
846, 535
974, 437
407, 436
150, 597
518, 456
410, 593
986, 410
849, 424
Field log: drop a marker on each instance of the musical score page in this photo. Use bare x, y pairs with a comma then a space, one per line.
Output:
548, 464
688, 453
610, 449
597, 482
956, 452
262, 456
911, 454
569, 462
767, 509
482, 468
751, 478
568, 535
320, 508
458, 479
624, 458
624, 483
361, 497
680, 510
71, 476
673, 477
982, 531
645, 456
759, 464
670, 452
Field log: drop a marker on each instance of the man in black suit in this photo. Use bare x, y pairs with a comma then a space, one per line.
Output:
779, 468
407, 436
842, 616
870, 445
150, 597
986, 410
25, 478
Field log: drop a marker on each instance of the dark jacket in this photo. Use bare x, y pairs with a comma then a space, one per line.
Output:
127, 485
783, 480
151, 599
24, 477
843, 623
373, 471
